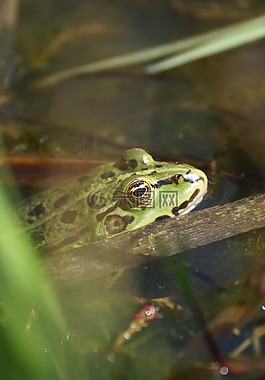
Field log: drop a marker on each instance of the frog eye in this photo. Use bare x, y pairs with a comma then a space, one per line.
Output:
139, 193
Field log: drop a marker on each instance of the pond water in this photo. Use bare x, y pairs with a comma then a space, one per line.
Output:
209, 113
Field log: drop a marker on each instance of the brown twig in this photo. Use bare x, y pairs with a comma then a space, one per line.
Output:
177, 235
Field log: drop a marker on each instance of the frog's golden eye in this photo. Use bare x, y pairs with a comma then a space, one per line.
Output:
139, 193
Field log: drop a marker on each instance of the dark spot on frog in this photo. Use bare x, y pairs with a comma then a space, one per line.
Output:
61, 201
115, 223
84, 178
166, 181
183, 206
188, 172
122, 165
175, 211
154, 172
107, 175
69, 216
159, 165
194, 195
102, 215
37, 237
125, 165
128, 219
133, 163
163, 217
36, 212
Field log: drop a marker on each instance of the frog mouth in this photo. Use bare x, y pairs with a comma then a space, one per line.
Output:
188, 209
188, 205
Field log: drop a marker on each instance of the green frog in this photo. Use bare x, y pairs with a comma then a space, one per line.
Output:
112, 199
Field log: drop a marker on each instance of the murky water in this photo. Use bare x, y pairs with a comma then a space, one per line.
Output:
207, 111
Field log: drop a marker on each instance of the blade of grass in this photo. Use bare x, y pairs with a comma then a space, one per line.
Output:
219, 42
35, 347
195, 47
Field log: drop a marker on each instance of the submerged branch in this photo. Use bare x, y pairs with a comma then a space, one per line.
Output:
176, 235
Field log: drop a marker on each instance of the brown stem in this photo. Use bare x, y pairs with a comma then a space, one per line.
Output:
166, 238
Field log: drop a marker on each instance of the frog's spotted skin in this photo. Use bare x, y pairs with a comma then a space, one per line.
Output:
112, 199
